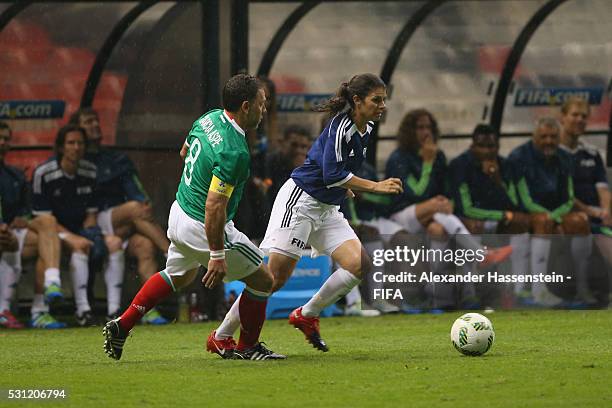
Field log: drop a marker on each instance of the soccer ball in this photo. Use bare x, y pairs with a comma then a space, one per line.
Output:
472, 334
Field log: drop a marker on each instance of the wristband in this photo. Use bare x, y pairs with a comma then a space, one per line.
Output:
217, 255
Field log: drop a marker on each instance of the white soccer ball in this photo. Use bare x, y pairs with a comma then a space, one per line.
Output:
472, 334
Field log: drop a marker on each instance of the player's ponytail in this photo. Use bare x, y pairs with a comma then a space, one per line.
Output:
359, 85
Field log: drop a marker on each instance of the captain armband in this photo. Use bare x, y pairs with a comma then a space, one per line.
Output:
221, 187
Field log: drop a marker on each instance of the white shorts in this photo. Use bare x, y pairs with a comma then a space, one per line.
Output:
408, 220
105, 221
298, 219
14, 258
384, 226
189, 247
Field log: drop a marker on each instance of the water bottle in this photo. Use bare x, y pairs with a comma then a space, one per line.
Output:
183, 309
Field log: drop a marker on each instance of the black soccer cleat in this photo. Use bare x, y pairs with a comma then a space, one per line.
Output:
86, 319
115, 338
257, 352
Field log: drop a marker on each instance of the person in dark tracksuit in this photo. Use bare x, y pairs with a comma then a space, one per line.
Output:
485, 196
543, 177
590, 180
25, 237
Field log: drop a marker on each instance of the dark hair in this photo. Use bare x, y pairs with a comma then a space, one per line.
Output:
60, 139
268, 83
296, 129
239, 88
406, 134
484, 129
4, 125
360, 85
75, 118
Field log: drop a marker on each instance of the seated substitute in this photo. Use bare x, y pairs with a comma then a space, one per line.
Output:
543, 176
64, 186
124, 207
23, 238
590, 179
486, 199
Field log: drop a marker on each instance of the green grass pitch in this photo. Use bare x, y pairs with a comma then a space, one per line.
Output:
539, 359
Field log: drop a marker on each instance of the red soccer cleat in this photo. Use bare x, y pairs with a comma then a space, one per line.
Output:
310, 327
9, 321
496, 255
225, 348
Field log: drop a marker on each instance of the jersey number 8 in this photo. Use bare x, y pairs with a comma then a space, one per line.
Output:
194, 152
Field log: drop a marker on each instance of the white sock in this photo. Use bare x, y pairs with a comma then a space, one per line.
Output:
52, 275
370, 247
436, 261
455, 228
113, 276
80, 274
353, 297
230, 323
540, 250
582, 246
38, 305
336, 286
9, 277
519, 258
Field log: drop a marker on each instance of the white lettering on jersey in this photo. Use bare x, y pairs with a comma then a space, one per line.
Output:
213, 135
587, 163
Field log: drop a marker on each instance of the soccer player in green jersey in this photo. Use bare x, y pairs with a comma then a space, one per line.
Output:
200, 227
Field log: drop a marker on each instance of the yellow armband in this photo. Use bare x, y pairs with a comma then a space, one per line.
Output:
220, 187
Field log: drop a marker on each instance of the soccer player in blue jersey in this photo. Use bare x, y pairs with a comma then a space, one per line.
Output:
64, 186
23, 237
590, 179
306, 208
543, 176
124, 207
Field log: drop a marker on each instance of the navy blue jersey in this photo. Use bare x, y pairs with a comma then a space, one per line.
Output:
332, 159
68, 198
117, 180
421, 181
543, 185
476, 194
13, 193
589, 173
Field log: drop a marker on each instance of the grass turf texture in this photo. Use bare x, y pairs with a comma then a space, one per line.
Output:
539, 359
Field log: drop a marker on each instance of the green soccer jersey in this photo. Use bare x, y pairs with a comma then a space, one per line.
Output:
217, 147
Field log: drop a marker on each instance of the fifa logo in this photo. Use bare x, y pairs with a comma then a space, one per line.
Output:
298, 243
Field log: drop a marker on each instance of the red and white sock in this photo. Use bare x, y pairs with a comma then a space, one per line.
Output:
156, 289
